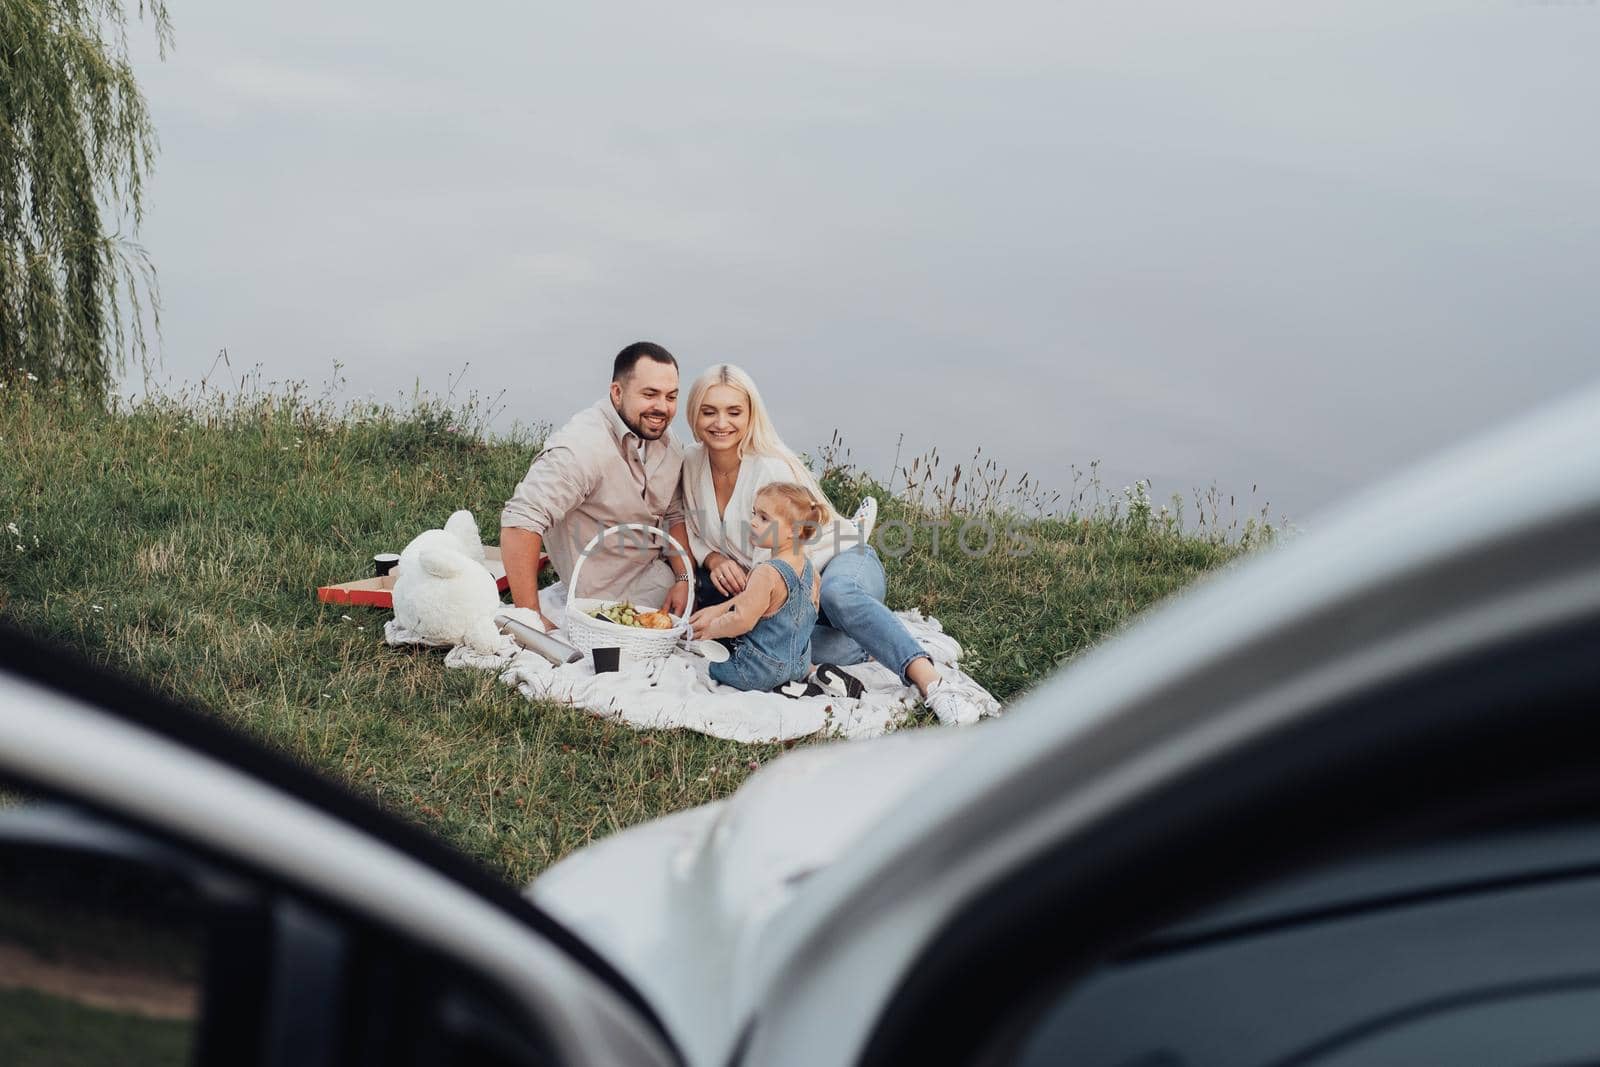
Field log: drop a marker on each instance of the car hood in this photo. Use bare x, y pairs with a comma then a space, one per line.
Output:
846, 860
679, 904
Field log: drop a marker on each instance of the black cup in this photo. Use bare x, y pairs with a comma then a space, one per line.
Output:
383, 563
607, 660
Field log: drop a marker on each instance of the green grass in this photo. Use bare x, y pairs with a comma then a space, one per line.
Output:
40, 1030
181, 540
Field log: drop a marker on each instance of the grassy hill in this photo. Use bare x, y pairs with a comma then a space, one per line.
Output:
181, 539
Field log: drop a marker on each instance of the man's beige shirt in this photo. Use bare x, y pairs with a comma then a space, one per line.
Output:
595, 473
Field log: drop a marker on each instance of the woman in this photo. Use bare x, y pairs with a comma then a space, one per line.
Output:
736, 452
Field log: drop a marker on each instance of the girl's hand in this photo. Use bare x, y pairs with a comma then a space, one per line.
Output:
729, 577
700, 622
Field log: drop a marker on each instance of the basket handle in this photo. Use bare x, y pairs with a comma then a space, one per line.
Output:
635, 527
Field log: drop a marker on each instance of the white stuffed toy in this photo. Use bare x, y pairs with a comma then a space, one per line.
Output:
444, 593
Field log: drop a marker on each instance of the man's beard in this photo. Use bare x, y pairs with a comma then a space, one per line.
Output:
640, 430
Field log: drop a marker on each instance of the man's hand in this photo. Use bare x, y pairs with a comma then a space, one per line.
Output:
726, 575
677, 599
526, 616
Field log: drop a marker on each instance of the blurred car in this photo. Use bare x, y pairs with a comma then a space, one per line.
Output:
1339, 805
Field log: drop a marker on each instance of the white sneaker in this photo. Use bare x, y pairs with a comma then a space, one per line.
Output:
958, 700
866, 517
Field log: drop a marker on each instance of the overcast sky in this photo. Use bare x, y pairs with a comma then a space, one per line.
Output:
1264, 243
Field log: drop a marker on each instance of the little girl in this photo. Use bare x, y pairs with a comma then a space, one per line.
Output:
775, 613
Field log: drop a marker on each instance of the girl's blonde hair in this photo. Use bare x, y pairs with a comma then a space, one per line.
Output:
761, 437
806, 512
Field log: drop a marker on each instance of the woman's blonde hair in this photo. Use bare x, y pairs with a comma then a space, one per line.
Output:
761, 437
806, 511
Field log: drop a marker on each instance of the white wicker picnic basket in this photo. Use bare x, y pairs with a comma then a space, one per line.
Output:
587, 633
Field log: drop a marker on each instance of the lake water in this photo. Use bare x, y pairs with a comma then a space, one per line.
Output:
1249, 245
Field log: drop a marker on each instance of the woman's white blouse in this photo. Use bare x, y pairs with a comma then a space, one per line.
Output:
729, 532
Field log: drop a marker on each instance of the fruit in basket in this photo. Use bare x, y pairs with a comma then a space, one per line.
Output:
621, 613
625, 614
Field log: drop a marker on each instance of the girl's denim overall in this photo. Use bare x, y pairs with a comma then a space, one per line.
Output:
778, 648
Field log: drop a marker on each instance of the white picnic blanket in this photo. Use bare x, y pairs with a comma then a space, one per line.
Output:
676, 692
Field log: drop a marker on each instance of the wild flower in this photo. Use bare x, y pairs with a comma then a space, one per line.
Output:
32, 377
11, 528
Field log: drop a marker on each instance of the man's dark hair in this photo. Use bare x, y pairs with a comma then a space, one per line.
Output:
628, 357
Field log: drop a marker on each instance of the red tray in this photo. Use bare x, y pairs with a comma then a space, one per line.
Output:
379, 592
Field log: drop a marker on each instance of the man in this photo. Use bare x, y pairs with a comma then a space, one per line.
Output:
613, 463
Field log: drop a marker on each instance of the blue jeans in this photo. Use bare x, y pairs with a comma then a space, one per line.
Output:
853, 625
706, 593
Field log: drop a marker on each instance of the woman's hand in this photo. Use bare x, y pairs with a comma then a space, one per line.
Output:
726, 575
